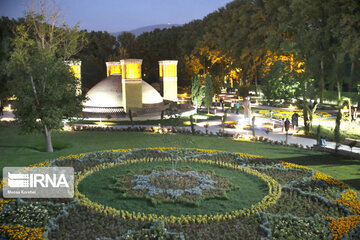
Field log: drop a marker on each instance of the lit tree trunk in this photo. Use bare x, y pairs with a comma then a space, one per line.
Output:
256, 84
337, 130
339, 90
306, 118
47, 134
322, 81
351, 76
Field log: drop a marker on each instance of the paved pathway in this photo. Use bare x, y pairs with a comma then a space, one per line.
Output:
276, 134
215, 126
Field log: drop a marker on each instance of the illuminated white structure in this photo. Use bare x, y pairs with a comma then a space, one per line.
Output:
168, 79
124, 91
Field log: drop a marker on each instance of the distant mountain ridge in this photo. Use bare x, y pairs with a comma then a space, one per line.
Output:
149, 28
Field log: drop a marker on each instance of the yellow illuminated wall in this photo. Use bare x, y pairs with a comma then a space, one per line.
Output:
170, 70
133, 71
161, 70
113, 69
75, 69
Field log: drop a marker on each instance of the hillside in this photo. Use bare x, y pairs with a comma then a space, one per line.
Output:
149, 28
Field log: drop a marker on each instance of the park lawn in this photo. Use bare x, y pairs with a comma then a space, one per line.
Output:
22, 150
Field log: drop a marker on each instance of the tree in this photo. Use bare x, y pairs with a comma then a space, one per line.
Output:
196, 91
42, 82
209, 92
127, 45
6, 36
100, 48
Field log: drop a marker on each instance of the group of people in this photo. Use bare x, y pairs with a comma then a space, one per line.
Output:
285, 124
235, 106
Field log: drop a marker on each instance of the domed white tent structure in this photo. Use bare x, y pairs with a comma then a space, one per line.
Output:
122, 90
106, 96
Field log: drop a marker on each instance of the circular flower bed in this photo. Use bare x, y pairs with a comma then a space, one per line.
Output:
274, 192
299, 203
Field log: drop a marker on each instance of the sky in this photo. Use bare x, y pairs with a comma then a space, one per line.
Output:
121, 15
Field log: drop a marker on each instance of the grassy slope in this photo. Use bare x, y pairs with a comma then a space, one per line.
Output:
22, 150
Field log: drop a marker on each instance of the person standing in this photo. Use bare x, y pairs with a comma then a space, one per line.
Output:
287, 125
1, 110
237, 107
247, 109
295, 120
282, 124
232, 106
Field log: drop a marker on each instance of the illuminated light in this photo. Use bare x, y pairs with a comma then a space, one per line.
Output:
268, 126
244, 138
104, 123
12, 98
200, 117
67, 128
300, 132
187, 123
8, 108
292, 107
7, 119
113, 68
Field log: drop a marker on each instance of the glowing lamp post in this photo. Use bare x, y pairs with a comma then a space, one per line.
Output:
168, 77
131, 84
113, 68
75, 68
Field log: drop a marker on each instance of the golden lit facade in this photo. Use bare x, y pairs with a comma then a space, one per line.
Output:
131, 84
113, 68
168, 77
75, 68
131, 68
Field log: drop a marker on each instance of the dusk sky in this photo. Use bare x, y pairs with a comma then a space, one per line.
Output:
121, 15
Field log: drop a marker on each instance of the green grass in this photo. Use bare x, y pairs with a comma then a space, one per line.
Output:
328, 132
251, 190
22, 150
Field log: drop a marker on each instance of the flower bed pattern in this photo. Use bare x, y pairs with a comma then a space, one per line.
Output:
163, 185
312, 205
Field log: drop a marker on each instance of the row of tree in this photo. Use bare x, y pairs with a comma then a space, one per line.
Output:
308, 40
237, 42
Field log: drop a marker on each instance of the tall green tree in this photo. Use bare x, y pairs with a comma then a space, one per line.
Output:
197, 91
100, 47
127, 45
209, 92
6, 28
41, 81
